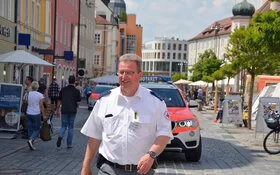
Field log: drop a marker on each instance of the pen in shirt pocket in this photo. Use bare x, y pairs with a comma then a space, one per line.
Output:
136, 116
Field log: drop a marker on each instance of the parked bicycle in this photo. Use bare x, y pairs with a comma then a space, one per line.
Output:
271, 141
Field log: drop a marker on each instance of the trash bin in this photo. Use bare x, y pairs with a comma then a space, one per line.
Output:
200, 104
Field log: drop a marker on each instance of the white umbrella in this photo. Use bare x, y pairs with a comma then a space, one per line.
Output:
182, 81
23, 58
199, 83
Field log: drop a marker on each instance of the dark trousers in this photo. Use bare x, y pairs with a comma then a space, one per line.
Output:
53, 100
219, 115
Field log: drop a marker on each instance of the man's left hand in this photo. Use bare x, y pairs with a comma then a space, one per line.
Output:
145, 164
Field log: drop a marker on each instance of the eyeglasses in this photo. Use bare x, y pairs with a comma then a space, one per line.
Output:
128, 73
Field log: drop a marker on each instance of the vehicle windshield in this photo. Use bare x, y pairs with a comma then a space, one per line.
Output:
171, 97
100, 89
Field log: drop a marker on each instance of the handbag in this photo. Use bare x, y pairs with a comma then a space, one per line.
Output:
45, 131
24, 104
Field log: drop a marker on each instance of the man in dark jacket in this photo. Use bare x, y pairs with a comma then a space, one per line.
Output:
69, 99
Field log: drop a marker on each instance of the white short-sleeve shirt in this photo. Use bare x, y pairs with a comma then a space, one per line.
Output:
33, 99
127, 126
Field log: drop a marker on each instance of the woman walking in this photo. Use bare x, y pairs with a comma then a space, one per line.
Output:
35, 110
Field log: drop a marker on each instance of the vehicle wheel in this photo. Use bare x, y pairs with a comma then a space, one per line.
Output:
271, 142
194, 154
90, 108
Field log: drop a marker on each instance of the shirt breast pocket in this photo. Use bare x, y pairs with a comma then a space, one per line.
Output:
110, 125
146, 126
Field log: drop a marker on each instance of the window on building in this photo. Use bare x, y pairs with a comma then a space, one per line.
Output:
185, 56
185, 47
33, 14
158, 55
96, 60
61, 29
69, 34
174, 46
163, 55
180, 47
179, 56
161, 66
163, 46
174, 56
168, 55
26, 12
97, 38
175, 67
155, 46
131, 44
168, 46
65, 33
151, 65
159, 46
38, 18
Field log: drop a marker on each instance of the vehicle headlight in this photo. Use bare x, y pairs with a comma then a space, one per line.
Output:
192, 123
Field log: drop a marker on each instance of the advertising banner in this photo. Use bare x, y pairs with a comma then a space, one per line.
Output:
232, 111
10, 103
267, 105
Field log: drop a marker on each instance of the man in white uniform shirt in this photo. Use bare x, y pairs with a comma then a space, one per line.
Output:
128, 125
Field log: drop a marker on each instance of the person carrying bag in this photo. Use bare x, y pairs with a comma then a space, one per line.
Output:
45, 131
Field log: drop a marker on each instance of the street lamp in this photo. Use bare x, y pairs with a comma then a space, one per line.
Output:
217, 27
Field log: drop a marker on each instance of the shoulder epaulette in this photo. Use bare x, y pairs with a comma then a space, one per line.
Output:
103, 94
156, 95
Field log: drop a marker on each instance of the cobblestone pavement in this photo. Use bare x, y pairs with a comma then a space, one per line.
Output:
226, 149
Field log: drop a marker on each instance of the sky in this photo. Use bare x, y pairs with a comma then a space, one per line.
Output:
182, 19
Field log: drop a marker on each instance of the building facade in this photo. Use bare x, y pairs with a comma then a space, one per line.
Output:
64, 39
217, 35
34, 34
7, 37
86, 40
165, 56
129, 37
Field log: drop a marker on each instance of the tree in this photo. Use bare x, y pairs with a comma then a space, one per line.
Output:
178, 76
217, 75
229, 71
123, 16
256, 49
208, 63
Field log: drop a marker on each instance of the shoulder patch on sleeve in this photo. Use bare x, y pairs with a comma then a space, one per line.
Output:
156, 95
103, 94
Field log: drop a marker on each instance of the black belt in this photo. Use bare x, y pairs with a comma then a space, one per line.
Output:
128, 167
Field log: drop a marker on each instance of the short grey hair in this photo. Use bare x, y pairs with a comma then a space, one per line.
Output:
132, 57
34, 86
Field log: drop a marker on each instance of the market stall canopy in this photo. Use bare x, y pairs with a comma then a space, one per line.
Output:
107, 79
22, 57
182, 81
199, 83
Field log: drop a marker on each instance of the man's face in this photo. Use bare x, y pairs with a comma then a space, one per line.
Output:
27, 81
129, 77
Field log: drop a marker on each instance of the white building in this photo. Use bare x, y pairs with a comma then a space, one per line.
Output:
165, 56
86, 43
105, 40
216, 36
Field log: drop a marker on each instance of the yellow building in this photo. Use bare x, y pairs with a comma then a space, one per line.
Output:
7, 36
34, 19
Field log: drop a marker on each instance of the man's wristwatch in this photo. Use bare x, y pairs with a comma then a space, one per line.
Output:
152, 154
